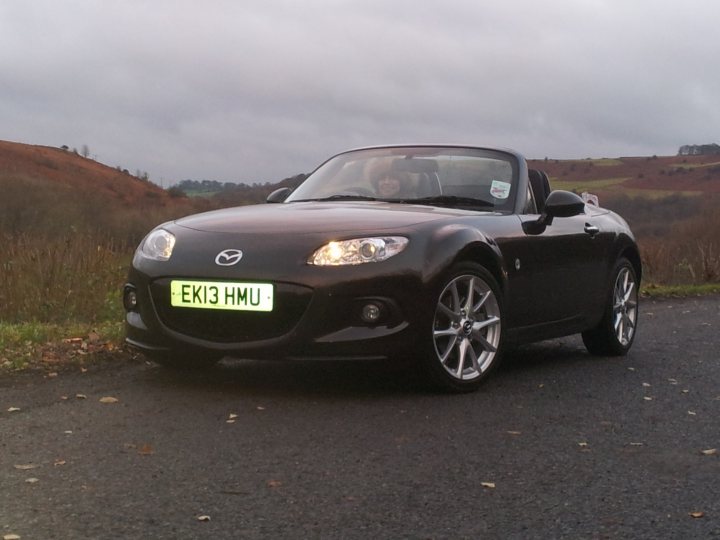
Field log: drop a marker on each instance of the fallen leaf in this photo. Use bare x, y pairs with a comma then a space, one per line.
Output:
274, 483
109, 399
489, 485
13, 409
59, 462
203, 518
709, 452
81, 396
697, 514
26, 467
146, 450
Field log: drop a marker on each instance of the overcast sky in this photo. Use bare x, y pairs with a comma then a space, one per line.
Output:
258, 90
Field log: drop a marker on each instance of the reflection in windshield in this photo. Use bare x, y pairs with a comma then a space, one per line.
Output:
442, 176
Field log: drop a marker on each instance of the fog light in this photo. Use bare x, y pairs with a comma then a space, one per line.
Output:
130, 300
371, 313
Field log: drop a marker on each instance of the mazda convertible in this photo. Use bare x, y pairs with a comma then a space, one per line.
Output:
439, 256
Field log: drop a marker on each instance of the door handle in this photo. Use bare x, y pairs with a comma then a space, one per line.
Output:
592, 230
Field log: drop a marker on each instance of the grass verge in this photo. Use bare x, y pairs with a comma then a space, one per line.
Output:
662, 291
49, 347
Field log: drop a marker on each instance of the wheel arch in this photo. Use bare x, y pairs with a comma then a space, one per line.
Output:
456, 244
482, 254
631, 252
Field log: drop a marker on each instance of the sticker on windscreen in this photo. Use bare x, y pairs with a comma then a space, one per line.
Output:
500, 190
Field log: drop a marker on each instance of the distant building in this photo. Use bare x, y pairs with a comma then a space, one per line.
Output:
699, 150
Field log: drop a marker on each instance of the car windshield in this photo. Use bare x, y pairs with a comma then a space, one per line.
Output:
469, 178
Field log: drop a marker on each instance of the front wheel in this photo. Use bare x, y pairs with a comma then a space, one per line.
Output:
615, 333
466, 329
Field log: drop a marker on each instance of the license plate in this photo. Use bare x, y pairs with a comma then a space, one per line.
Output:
221, 295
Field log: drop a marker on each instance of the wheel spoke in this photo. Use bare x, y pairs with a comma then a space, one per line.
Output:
479, 325
455, 297
473, 358
449, 313
443, 333
481, 302
462, 351
621, 329
448, 351
628, 292
470, 295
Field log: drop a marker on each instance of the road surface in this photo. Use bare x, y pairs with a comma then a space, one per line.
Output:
558, 444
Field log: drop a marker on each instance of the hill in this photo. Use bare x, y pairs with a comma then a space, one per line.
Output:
635, 176
39, 165
52, 191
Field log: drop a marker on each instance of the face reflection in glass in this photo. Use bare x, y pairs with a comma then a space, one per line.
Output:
388, 186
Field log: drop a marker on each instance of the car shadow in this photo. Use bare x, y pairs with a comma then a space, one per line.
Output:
330, 378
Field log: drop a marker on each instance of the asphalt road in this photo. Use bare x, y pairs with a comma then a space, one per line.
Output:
557, 444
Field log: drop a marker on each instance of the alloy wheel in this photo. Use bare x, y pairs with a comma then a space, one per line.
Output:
466, 327
625, 306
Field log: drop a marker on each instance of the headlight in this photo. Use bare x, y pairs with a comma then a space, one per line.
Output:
358, 251
158, 245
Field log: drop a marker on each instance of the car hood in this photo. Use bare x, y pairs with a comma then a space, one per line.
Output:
315, 217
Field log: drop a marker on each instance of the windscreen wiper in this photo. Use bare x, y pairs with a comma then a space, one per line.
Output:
451, 201
341, 197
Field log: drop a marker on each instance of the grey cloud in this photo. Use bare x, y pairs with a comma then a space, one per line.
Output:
260, 90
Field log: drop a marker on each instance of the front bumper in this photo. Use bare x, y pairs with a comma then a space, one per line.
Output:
324, 321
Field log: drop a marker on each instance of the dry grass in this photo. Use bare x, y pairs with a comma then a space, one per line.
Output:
75, 277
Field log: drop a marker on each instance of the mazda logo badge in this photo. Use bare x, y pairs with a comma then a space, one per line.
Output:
228, 257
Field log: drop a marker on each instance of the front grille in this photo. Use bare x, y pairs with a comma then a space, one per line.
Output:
290, 302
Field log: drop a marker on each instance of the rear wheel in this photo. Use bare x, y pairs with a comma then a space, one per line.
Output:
466, 329
615, 333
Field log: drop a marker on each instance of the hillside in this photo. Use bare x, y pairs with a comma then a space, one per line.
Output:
39, 165
635, 176
54, 191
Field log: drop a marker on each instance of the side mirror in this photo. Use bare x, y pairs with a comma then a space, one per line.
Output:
563, 204
279, 195
558, 204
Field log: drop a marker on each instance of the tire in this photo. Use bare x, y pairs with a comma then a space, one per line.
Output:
465, 333
616, 332
184, 361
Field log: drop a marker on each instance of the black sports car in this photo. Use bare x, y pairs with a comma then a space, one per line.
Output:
442, 255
